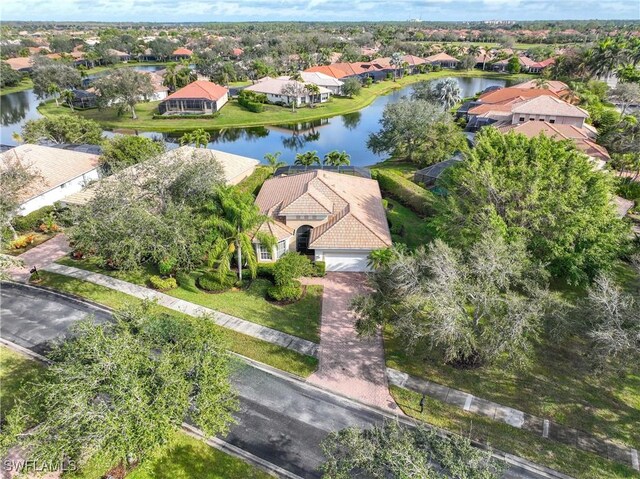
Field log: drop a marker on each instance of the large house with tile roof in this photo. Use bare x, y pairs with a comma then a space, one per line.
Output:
275, 89
332, 217
200, 97
443, 60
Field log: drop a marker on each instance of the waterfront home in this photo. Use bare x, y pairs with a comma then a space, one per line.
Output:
331, 217
59, 172
181, 54
443, 60
317, 78
201, 97
276, 92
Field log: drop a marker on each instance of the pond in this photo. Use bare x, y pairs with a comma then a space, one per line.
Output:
346, 132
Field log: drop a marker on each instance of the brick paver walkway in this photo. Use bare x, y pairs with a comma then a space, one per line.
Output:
349, 364
40, 256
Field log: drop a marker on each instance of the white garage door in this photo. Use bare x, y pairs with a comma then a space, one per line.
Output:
346, 261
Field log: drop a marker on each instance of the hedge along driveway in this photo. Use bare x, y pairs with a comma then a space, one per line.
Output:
300, 319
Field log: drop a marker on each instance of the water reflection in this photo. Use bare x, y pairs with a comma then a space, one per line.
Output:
351, 120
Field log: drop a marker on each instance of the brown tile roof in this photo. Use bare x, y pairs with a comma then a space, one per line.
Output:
441, 57
53, 166
553, 85
182, 51
547, 105
353, 205
199, 89
19, 63
505, 94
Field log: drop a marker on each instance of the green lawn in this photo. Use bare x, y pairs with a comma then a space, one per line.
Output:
559, 385
262, 351
183, 457
233, 115
578, 464
300, 319
16, 370
407, 227
25, 84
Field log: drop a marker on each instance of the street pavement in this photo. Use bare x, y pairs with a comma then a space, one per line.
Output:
281, 420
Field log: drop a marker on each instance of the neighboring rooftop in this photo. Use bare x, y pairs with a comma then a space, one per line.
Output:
199, 89
547, 105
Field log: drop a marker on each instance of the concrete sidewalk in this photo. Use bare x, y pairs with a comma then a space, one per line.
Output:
516, 418
264, 333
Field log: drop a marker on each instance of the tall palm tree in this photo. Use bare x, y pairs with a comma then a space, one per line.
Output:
313, 90
542, 83
396, 64
474, 50
448, 92
68, 96
235, 218
54, 90
336, 158
199, 138
307, 159
274, 161
171, 76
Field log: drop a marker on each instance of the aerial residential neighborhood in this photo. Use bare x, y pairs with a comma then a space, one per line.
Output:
320, 240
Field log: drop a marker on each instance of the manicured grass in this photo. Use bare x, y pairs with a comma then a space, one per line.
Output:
25, 84
560, 385
402, 168
300, 319
16, 370
579, 464
183, 457
407, 227
233, 115
262, 351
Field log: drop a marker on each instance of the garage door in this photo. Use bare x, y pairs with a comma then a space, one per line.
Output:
346, 261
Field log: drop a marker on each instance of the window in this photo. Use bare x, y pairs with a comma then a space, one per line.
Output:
552, 120
521, 118
264, 252
540, 119
281, 248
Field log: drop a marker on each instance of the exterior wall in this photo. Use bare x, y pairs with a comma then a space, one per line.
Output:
209, 107
222, 101
158, 96
59, 192
519, 118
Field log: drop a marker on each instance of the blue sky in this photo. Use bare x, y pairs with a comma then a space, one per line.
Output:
339, 10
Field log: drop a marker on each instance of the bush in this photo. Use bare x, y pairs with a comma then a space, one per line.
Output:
167, 266
288, 293
252, 101
289, 267
211, 283
406, 192
319, 269
33, 220
265, 270
163, 284
23, 241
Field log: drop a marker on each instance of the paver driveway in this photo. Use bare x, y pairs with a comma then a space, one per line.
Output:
349, 365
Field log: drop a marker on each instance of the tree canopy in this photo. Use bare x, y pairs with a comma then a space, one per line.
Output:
540, 190
119, 390
417, 130
123, 151
48, 73
72, 129
123, 88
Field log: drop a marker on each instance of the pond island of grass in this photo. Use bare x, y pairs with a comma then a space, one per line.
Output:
232, 115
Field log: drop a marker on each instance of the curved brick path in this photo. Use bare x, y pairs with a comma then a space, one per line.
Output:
349, 365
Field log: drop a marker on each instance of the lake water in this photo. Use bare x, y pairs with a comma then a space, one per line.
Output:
346, 132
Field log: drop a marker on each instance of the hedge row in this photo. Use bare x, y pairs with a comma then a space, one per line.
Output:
182, 117
406, 192
253, 106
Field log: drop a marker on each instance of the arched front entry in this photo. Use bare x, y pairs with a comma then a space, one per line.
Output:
303, 233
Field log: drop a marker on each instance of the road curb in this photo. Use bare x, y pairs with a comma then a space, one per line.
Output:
27, 352
246, 456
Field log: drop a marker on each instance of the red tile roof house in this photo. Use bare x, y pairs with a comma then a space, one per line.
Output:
181, 54
333, 217
198, 98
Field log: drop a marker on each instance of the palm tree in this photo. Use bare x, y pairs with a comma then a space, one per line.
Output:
199, 138
68, 96
448, 92
171, 76
396, 64
54, 90
274, 161
313, 90
336, 158
307, 159
475, 51
542, 83
235, 218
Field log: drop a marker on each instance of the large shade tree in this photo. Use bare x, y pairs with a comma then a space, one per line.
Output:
419, 131
119, 390
123, 89
123, 151
53, 76
71, 129
476, 306
543, 191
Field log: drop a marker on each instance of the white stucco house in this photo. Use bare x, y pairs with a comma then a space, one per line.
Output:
275, 91
59, 173
330, 217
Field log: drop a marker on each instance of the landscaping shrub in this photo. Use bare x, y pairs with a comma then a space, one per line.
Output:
211, 283
288, 293
252, 101
167, 266
406, 192
162, 284
49, 224
319, 269
187, 281
33, 220
289, 267
265, 270
253, 183
23, 241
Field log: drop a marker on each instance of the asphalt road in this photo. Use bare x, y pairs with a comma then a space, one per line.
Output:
280, 420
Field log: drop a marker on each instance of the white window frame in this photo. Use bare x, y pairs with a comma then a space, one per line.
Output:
281, 248
264, 253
